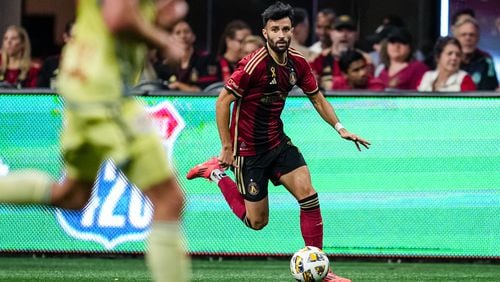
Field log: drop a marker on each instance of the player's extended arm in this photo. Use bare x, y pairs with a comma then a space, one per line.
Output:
327, 112
222, 116
123, 17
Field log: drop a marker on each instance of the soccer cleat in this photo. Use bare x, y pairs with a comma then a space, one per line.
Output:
204, 169
332, 277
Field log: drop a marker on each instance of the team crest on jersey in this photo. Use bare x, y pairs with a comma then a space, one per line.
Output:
253, 188
293, 78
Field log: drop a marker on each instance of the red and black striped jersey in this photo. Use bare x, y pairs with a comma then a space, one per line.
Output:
261, 87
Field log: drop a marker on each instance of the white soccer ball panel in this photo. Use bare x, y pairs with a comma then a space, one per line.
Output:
309, 264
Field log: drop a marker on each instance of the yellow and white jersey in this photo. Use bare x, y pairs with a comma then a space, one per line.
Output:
97, 66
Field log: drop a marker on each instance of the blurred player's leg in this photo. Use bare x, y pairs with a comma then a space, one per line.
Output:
148, 167
26, 187
37, 187
165, 255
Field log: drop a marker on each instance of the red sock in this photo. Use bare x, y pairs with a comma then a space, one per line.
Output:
311, 226
311, 223
232, 196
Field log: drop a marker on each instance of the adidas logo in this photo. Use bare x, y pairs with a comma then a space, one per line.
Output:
273, 82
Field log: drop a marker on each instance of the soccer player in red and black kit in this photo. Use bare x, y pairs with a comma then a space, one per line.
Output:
253, 140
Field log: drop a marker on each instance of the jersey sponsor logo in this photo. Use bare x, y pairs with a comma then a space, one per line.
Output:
117, 211
269, 98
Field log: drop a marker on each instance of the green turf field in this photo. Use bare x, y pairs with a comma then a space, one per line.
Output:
113, 269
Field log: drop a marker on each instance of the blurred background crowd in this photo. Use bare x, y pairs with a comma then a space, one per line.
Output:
385, 59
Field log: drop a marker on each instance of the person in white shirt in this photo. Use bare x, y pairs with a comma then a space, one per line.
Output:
447, 76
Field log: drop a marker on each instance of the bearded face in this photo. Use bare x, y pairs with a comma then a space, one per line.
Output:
278, 34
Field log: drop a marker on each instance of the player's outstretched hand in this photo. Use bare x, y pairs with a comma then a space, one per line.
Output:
355, 138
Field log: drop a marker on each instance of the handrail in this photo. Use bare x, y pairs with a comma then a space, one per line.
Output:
294, 92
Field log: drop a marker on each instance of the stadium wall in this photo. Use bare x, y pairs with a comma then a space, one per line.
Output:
428, 187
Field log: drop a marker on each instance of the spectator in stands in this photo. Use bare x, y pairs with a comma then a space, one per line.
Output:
301, 33
322, 28
230, 51
50, 67
197, 69
448, 76
355, 73
479, 64
462, 14
343, 36
496, 29
390, 20
401, 70
16, 66
376, 41
251, 43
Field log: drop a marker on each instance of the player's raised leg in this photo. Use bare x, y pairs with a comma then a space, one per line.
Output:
211, 170
26, 187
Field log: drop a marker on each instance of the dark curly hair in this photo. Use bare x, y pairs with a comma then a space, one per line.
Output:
277, 11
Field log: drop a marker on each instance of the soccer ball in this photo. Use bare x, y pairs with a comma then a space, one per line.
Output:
309, 264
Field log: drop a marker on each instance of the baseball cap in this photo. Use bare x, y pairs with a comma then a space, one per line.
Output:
344, 21
400, 35
381, 34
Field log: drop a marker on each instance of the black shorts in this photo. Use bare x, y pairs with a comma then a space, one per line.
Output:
253, 173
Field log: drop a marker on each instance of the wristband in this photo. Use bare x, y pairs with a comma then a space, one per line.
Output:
338, 126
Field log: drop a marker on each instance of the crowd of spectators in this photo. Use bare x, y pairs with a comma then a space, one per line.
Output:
393, 63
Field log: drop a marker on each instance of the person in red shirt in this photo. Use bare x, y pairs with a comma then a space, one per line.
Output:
16, 67
401, 71
355, 74
448, 76
253, 141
